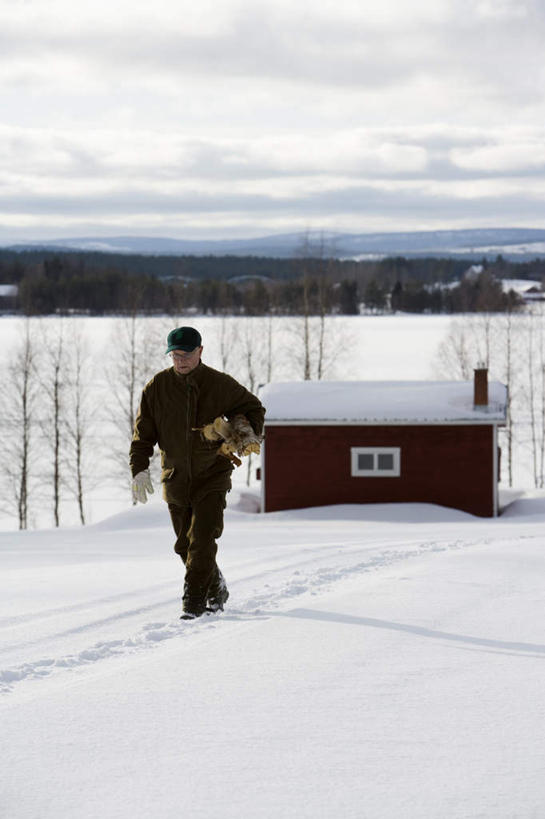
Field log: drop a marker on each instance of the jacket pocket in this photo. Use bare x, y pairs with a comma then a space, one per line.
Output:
167, 474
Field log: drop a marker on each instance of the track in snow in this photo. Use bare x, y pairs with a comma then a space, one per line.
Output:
277, 588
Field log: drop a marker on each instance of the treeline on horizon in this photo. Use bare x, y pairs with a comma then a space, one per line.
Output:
105, 283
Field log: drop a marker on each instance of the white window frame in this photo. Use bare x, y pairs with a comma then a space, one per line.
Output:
395, 472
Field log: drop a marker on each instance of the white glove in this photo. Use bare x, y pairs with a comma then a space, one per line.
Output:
141, 484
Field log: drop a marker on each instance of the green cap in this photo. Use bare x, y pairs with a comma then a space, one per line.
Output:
183, 338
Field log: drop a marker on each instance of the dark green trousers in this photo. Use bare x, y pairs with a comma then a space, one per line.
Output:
197, 528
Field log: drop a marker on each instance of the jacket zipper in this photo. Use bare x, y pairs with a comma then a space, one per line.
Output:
188, 433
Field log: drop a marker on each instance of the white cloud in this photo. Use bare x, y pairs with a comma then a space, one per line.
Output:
509, 152
280, 113
502, 9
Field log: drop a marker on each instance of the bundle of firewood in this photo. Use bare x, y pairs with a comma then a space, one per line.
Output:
237, 436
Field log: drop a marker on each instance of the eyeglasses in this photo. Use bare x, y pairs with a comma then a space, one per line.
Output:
182, 356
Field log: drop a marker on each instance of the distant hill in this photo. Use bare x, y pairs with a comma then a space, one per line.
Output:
513, 243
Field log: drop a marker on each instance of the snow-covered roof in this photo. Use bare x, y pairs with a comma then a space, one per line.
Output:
520, 286
473, 271
374, 402
7, 290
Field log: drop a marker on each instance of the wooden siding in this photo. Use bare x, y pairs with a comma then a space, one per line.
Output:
447, 465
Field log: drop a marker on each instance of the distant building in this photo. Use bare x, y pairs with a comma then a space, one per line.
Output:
528, 289
383, 442
8, 297
534, 293
472, 273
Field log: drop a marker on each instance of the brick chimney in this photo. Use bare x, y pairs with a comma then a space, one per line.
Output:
480, 384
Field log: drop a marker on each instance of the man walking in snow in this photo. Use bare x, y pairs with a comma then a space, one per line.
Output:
175, 405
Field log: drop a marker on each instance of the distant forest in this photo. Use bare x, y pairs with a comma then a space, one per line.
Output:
96, 283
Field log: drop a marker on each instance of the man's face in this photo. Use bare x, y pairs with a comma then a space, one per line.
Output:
185, 362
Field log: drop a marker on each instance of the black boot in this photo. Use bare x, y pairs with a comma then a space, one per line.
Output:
193, 602
217, 593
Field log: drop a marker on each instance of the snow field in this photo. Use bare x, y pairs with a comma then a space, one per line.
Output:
372, 661
271, 575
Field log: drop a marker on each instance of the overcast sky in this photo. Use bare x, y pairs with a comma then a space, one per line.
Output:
225, 118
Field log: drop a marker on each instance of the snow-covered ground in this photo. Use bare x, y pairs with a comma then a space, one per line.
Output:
372, 662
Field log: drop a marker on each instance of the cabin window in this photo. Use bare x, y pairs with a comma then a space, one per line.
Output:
375, 462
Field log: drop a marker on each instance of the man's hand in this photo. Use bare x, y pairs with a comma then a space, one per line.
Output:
141, 484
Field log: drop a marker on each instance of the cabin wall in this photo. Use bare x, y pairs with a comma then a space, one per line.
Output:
447, 465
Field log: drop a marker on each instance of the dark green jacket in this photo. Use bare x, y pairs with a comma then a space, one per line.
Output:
172, 405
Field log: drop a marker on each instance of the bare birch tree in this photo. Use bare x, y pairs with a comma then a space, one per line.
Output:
530, 390
320, 348
137, 346
50, 372
532, 393
311, 249
81, 419
18, 410
495, 341
508, 370
457, 355
541, 365
252, 348
228, 340
269, 358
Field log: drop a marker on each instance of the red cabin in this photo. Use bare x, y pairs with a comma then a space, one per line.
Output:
383, 442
